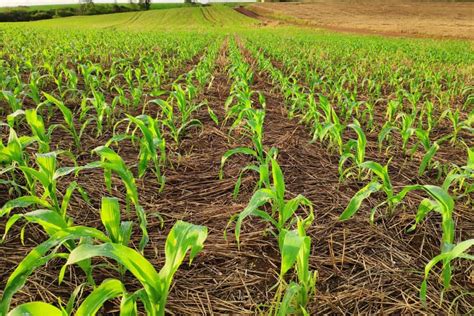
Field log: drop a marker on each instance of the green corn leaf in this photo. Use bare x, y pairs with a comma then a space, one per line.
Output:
125, 232
235, 151
182, 238
278, 182
50, 220
259, 198
239, 179
67, 197
128, 306
426, 206
290, 245
450, 179
427, 158
36, 175
358, 198
458, 251
290, 296
110, 217
128, 257
470, 158
36, 309
213, 115
39, 256
361, 141
384, 133
72, 299
64, 171
23, 202
12, 116
67, 113
111, 161
107, 290
291, 206
381, 172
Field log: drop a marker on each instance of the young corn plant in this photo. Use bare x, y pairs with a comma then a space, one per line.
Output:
331, 127
177, 126
385, 135
428, 113
454, 117
439, 201
13, 155
102, 110
461, 179
48, 175
253, 128
111, 162
295, 249
353, 145
37, 126
152, 145
294, 244
183, 238
68, 119
12, 100
118, 231
380, 182
40, 256
183, 99
458, 251
406, 128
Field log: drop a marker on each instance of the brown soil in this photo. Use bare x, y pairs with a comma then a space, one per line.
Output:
393, 18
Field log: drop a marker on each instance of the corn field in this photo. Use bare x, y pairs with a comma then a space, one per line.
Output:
234, 170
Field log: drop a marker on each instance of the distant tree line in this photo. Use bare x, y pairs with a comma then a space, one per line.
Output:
87, 7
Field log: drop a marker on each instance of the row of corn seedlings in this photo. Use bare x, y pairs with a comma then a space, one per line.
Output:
289, 219
325, 122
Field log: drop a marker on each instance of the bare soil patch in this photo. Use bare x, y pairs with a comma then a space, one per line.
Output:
395, 18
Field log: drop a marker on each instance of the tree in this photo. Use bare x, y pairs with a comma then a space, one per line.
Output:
145, 4
86, 5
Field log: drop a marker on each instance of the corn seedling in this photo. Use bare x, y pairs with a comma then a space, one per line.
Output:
182, 238
295, 248
459, 251
253, 129
357, 146
12, 154
462, 178
41, 255
102, 110
294, 244
48, 175
406, 128
68, 119
152, 145
111, 162
13, 102
37, 126
381, 182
